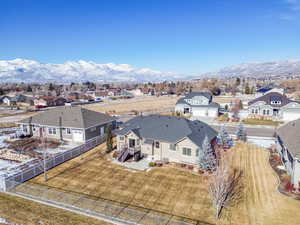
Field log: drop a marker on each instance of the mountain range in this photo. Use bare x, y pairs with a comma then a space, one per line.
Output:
23, 70
285, 67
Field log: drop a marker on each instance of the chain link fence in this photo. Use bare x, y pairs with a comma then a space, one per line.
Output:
118, 212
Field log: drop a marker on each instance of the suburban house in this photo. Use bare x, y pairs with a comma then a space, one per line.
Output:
67, 123
164, 138
7, 100
198, 104
288, 146
266, 90
274, 105
44, 101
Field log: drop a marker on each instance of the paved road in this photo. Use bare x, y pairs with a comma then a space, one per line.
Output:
251, 131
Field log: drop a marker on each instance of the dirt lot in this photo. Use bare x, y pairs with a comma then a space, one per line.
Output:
141, 104
25, 212
179, 192
144, 104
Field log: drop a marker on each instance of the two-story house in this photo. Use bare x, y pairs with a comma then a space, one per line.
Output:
198, 104
165, 138
274, 105
288, 146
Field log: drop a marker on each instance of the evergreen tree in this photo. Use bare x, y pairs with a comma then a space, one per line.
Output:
109, 138
237, 82
247, 89
224, 138
241, 133
29, 89
207, 159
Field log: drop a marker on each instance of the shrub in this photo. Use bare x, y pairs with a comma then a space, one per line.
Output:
152, 164
289, 187
190, 167
115, 154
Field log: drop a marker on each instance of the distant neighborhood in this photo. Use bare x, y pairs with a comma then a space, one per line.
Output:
197, 130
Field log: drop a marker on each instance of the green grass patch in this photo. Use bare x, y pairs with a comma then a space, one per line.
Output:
261, 122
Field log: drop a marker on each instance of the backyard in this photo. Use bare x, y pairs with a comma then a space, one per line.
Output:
21, 211
180, 192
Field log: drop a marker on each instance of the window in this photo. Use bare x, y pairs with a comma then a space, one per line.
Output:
268, 112
253, 111
121, 138
156, 144
197, 151
24, 128
92, 129
138, 142
256, 111
33, 128
51, 130
68, 131
173, 147
187, 151
264, 112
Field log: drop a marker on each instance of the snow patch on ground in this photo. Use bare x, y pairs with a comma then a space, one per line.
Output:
5, 221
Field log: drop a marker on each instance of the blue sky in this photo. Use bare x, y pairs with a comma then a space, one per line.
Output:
187, 37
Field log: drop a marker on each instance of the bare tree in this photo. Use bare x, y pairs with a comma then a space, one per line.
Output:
225, 184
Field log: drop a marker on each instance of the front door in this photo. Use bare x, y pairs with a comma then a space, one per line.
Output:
41, 132
101, 131
131, 143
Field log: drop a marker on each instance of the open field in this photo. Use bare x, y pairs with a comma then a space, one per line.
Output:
25, 212
141, 104
178, 192
145, 104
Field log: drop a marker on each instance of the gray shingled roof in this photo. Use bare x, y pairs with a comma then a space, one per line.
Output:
290, 135
168, 128
273, 96
71, 116
211, 104
193, 94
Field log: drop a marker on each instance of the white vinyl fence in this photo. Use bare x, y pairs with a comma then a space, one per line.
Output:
34, 169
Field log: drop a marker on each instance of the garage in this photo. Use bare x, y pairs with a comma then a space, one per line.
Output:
205, 112
77, 135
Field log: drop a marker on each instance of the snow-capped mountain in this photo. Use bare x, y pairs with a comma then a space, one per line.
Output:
260, 69
22, 70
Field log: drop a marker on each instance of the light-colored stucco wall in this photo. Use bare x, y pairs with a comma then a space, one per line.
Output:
296, 174
163, 152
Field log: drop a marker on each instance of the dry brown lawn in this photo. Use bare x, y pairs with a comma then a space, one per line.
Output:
144, 104
147, 103
21, 211
180, 192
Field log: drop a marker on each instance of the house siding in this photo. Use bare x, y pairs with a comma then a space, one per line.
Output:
163, 152
292, 164
95, 131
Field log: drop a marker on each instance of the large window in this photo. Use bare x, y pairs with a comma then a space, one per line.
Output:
25, 128
187, 151
156, 144
121, 138
172, 147
51, 130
